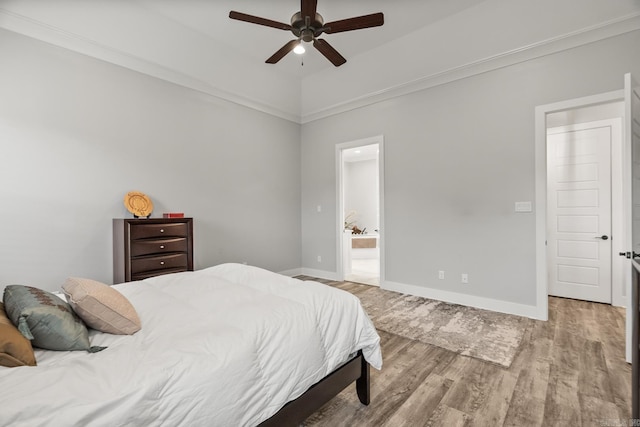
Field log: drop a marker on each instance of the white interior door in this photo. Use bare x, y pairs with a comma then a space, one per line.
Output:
632, 148
579, 211
632, 129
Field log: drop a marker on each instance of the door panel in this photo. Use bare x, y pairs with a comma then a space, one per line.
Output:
578, 223
576, 249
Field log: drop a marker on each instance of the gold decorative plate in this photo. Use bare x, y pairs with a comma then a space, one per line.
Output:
138, 203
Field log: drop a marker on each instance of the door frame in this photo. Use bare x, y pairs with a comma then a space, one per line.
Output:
379, 139
619, 190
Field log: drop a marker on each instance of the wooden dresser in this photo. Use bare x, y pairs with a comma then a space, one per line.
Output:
145, 248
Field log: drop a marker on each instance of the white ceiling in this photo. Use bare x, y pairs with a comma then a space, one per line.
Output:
195, 44
129, 25
145, 23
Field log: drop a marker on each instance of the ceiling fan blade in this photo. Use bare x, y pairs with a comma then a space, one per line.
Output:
308, 8
329, 52
257, 20
357, 23
282, 52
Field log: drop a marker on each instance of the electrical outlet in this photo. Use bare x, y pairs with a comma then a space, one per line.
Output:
441, 274
465, 278
319, 258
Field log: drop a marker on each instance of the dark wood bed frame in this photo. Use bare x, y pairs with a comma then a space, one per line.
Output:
296, 411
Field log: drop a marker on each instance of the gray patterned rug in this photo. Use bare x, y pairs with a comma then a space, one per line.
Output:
486, 335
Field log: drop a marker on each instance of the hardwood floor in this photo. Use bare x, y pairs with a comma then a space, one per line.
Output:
569, 370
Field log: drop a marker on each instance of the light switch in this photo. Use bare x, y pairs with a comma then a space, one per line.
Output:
319, 208
523, 207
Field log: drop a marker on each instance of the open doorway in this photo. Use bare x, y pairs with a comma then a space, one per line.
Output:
584, 203
585, 206
578, 142
359, 211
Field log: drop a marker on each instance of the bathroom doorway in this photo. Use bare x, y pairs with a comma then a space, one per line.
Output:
360, 213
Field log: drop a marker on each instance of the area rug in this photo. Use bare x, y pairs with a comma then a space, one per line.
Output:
486, 335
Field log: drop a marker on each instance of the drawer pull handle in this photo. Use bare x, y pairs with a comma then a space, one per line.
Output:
162, 230
161, 246
161, 262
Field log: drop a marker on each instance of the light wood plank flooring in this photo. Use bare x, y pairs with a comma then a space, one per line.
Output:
569, 371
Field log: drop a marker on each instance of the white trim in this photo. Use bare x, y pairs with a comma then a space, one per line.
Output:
557, 44
464, 299
340, 209
629, 91
542, 297
32, 28
619, 241
379, 139
541, 112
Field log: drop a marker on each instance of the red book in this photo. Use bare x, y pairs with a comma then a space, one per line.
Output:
173, 215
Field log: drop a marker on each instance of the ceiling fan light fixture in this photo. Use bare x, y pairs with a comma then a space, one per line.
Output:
307, 26
299, 49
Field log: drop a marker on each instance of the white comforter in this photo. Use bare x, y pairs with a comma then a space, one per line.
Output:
224, 346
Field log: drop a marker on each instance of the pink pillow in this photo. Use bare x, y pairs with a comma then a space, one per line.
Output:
101, 306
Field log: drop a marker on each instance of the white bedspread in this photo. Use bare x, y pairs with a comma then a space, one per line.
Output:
224, 346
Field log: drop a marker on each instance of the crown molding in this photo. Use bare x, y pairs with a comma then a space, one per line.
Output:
550, 46
26, 26
20, 24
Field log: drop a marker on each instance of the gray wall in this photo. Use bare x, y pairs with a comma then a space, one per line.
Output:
76, 134
457, 157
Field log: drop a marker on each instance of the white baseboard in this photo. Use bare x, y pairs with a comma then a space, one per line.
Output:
507, 307
500, 306
320, 274
291, 273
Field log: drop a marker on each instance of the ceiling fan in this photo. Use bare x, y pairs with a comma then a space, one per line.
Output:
307, 25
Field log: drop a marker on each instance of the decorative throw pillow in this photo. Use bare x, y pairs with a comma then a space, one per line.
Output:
101, 306
15, 349
45, 319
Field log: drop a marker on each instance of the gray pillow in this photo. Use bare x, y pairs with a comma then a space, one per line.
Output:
45, 319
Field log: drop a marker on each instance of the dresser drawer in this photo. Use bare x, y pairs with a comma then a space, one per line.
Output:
152, 263
155, 273
158, 246
150, 231
150, 247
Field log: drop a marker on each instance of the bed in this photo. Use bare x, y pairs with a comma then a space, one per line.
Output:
229, 345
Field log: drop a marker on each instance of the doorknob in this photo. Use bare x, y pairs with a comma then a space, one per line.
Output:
603, 237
